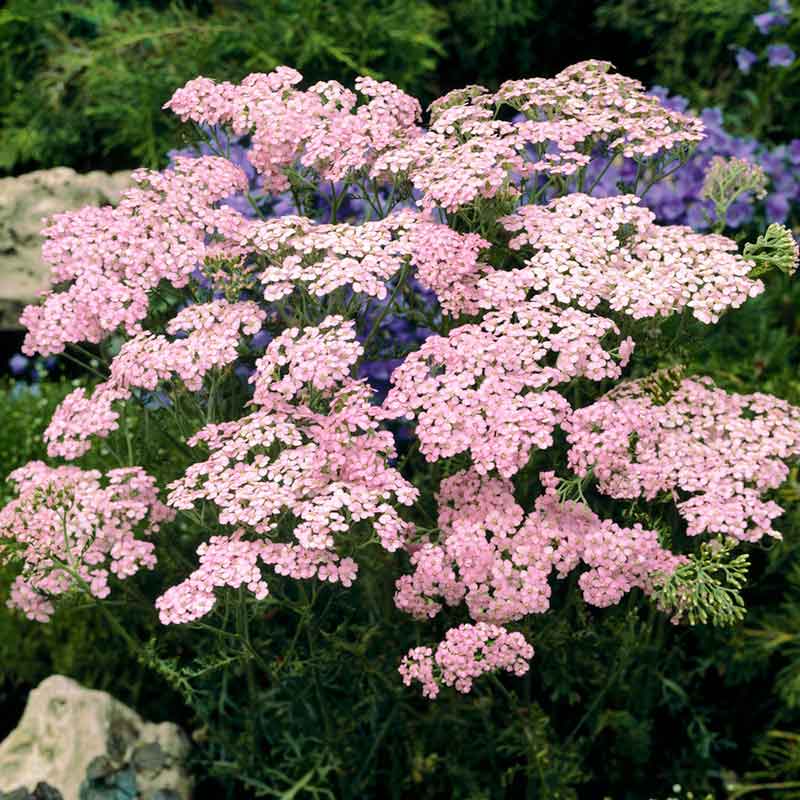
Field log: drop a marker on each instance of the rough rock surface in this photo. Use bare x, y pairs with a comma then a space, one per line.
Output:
87, 745
24, 202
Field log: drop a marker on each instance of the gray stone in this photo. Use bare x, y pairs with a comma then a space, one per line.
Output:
149, 758
24, 202
71, 737
45, 792
41, 792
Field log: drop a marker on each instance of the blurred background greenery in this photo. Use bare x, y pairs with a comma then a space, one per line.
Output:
82, 82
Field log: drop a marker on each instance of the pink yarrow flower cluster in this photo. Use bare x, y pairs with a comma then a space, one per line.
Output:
588, 250
69, 526
325, 128
466, 653
317, 357
598, 106
498, 560
106, 261
303, 475
323, 258
328, 471
233, 561
714, 454
209, 337
468, 153
485, 388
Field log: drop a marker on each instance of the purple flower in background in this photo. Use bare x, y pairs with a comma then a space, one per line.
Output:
777, 206
772, 163
786, 183
780, 6
203, 281
673, 103
668, 204
745, 59
768, 20
698, 215
744, 148
738, 214
628, 170
283, 205
261, 340
238, 202
794, 151
712, 117
378, 372
243, 371
155, 400
18, 364
780, 55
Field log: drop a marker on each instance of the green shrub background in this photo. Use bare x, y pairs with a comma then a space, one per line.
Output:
82, 82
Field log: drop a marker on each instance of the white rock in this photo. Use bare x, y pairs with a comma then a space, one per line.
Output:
65, 727
24, 202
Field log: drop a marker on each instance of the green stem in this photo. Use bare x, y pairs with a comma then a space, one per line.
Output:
386, 308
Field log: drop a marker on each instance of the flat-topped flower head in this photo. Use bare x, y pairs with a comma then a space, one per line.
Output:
486, 388
716, 454
236, 562
470, 153
365, 258
323, 258
72, 529
329, 129
499, 561
314, 359
610, 109
327, 472
106, 261
209, 336
466, 653
588, 250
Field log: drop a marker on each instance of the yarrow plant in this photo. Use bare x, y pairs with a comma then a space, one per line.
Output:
524, 435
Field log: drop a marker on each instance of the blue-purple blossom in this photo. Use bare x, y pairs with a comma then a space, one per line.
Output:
768, 20
740, 213
698, 215
772, 162
379, 371
669, 203
780, 7
671, 102
745, 59
777, 207
155, 400
18, 364
243, 371
786, 183
780, 55
261, 340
